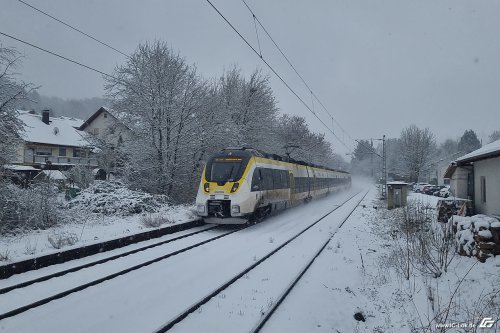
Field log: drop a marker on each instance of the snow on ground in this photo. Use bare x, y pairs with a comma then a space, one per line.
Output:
359, 274
100, 213
142, 300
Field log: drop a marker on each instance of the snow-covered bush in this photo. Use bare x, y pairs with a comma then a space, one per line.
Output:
31, 208
113, 198
62, 239
80, 176
155, 220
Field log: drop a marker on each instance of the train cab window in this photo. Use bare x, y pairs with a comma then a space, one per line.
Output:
225, 170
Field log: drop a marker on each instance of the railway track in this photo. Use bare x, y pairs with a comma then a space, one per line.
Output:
153, 285
269, 312
36, 303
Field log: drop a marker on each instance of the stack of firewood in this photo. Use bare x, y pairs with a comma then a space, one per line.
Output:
477, 235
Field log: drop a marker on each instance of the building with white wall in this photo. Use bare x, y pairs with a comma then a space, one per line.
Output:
477, 176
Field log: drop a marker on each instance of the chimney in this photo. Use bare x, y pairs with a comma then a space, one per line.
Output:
46, 117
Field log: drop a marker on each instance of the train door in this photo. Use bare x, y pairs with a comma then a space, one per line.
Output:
308, 185
291, 183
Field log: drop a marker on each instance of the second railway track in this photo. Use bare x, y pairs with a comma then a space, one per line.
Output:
231, 292
145, 299
66, 288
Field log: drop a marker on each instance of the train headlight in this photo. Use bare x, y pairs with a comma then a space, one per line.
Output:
200, 208
235, 187
235, 209
206, 187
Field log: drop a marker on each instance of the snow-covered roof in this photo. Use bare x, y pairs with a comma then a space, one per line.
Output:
53, 174
490, 150
396, 183
20, 167
60, 131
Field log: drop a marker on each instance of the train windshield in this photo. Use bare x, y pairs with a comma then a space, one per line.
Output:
225, 169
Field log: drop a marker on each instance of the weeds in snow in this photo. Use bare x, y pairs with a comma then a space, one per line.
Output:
5, 255
62, 239
155, 220
421, 243
30, 249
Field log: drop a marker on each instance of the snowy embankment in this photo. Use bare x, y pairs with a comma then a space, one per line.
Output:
362, 273
103, 212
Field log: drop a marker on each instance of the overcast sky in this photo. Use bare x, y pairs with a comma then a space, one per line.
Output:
378, 66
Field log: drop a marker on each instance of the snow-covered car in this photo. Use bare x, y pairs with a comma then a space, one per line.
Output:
444, 192
419, 187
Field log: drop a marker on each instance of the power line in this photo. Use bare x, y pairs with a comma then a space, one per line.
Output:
229, 23
59, 56
72, 27
294, 69
274, 71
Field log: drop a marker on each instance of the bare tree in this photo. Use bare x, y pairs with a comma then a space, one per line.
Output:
160, 99
249, 107
12, 92
417, 145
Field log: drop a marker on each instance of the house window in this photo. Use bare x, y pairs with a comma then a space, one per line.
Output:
43, 151
105, 115
483, 189
78, 153
62, 151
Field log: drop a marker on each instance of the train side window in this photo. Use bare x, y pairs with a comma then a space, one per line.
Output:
284, 177
267, 179
257, 180
276, 179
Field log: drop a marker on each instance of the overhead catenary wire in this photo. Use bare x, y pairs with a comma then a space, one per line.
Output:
294, 69
275, 73
72, 27
129, 85
58, 55
241, 36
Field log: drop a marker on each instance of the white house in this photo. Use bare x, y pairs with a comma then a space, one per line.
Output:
54, 141
105, 126
477, 175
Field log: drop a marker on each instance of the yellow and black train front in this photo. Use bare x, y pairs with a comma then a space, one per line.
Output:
224, 191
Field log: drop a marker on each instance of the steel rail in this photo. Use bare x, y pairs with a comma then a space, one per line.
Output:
46, 300
224, 286
97, 262
287, 291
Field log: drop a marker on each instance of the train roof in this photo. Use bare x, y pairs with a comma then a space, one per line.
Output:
260, 153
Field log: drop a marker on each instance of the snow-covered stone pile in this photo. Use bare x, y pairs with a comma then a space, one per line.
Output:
113, 198
477, 235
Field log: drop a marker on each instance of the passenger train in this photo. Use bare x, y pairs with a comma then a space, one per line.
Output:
241, 185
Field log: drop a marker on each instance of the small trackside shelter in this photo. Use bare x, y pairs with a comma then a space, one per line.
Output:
397, 193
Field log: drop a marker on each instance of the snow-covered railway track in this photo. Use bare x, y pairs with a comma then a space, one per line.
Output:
45, 277
181, 319
194, 239
145, 299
